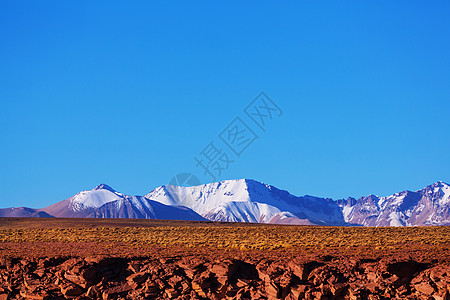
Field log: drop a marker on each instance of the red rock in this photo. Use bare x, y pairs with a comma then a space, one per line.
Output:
185, 286
70, 263
355, 293
190, 272
220, 269
201, 283
298, 290
32, 284
297, 269
76, 279
241, 283
371, 276
151, 287
93, 292
242, 294
171, 293
94, 259
424, 288
71, 290
134, 267
33, 296
115, 291
316, 295
137, 279
40, 272
401, 290
175, 280
198, 289
242, 277
160, 283
286, 279
442, 285
446, 295
272, 290
375, 288
106, 295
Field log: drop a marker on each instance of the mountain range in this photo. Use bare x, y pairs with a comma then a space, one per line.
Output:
246, 200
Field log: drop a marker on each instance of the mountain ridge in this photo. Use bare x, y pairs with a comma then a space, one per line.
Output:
248, 200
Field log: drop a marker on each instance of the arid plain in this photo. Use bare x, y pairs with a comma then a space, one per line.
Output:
152, 259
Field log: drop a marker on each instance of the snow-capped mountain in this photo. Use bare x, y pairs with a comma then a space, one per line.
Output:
247, 200
84, 203
428, 206
137, 207
104, 202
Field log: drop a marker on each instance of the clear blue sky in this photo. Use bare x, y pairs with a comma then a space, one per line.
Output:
128, 94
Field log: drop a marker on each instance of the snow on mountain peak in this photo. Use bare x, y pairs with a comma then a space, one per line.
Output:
104, 186
440, 184
94, 198
184, 196
442, 189
434, 186
246, 200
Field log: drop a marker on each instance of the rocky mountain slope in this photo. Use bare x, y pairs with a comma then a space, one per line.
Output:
247, 200
142, 208
428, 206
19, 212
105, 202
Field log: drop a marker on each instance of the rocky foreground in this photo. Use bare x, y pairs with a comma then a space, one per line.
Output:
195, 277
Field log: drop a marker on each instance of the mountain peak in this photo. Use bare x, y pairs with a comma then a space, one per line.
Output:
435, 186
104, 186
248, 200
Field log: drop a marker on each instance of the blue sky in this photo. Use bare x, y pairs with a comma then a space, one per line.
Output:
128, 94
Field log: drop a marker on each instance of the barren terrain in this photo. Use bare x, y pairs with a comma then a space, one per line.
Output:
152, 259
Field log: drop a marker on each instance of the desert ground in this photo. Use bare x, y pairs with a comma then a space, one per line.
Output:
155, 259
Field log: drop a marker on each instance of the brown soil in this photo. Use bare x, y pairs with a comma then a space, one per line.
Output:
153, 259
